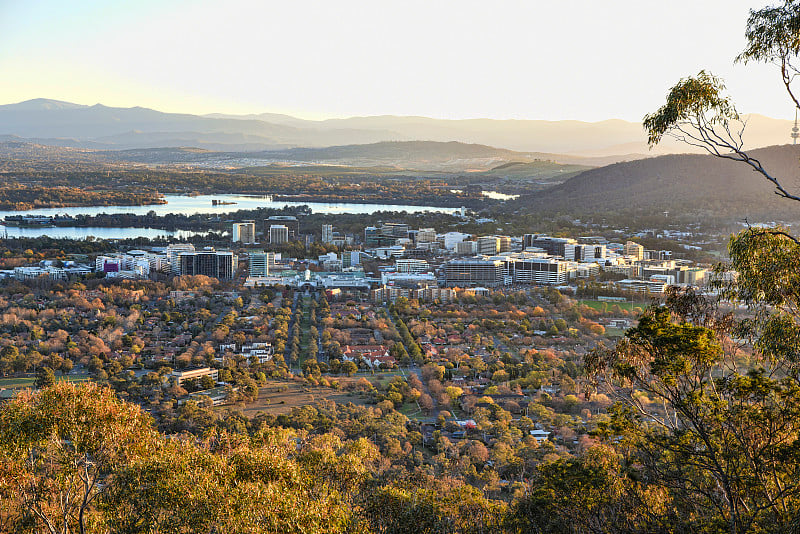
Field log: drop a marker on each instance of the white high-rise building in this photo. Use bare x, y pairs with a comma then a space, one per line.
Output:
327, 233
278, 234
244, 232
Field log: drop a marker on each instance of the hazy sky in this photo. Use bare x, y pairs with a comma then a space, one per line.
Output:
529, 59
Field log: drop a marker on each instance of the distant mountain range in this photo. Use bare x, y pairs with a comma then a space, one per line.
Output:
681, 185
51, 122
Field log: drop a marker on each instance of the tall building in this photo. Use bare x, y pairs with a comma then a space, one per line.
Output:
385, 235
244, 232
278, 234
584, 252
426, 235
173, 252
634, 250
327, 233
555, 246
473, 272
526, 269
466, 248
289, 221
503, 243
260, 263
488, 245
209, 262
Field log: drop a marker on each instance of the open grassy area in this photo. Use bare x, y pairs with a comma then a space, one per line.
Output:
281, 396
614, 332
602, 305
27, 382
411, 410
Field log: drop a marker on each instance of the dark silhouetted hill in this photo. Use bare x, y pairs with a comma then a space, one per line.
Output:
687, 185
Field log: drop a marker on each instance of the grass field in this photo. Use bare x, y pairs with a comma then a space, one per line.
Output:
280, 396
601, 305
614, 332
27, 382
411, 410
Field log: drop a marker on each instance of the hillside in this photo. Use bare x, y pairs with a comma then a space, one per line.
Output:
102, 127
543, 171
690, 186
418, 156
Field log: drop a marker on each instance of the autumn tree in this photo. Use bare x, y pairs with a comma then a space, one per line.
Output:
58, 450
719, 435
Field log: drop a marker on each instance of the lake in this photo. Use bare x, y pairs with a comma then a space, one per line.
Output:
80, 232
202, 204
186, 205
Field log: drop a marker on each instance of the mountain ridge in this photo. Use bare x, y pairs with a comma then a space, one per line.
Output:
140, 127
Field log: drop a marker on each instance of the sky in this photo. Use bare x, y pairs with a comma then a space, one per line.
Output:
530, 59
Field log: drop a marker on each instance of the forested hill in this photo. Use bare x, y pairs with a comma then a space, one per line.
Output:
397, 150
684, 185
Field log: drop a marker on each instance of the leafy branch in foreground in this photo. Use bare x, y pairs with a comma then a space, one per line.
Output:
719, 436
697, 113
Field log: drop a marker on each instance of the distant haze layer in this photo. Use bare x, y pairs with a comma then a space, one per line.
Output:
66, 124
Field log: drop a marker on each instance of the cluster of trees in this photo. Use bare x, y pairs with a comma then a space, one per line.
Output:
289, 183
19, 197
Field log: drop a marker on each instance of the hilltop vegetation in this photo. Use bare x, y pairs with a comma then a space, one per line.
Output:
688, 187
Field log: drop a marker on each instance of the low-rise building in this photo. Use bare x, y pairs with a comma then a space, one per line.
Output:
181, 376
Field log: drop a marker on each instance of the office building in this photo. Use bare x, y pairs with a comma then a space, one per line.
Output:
503, 243
411, 266
173, 255
657, 254
385, 235
327, 233
474, 271
533, 270
123, 266
244, 232
488, 245
555, 246
209, 262
179, 377
278, 234
653, 287
581, 252
260, 263
450, 240
466, 248
635, 250
426, 235
289, 221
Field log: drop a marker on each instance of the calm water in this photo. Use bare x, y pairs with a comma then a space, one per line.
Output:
188, 206
69, 232
202, 204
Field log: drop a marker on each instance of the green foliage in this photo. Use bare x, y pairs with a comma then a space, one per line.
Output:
715, 436
773, 34
593, 493
395, 509
694, 101
44, 378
